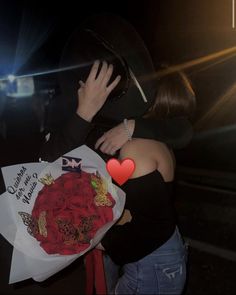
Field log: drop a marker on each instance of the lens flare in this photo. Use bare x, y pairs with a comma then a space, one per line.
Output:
11, 78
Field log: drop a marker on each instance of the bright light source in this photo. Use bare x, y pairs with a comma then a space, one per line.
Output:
11, 78
20, 87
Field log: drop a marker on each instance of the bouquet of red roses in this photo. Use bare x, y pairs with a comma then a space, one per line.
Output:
54, 213
68, 212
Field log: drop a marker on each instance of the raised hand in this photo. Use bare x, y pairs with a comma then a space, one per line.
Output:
93, 93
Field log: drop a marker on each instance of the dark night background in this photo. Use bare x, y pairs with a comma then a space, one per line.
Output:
32, 37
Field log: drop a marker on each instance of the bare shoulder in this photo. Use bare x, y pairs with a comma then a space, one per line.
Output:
146, 147
149, 155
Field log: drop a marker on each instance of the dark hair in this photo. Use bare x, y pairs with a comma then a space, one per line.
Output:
174, 97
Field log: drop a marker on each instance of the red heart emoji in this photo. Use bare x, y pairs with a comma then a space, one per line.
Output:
120, 171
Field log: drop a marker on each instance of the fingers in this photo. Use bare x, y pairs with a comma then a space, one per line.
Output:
81, 83
113, 84
99, 141
108, 149
103, 72
93, 71
103, 76
108, 75
111, 151
106, 146
93, 75
82, 86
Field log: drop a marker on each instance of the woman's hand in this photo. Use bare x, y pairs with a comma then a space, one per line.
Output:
125, 217
100, 247
93, 93
115, 138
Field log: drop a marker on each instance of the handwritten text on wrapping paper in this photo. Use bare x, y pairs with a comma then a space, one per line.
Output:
23, 185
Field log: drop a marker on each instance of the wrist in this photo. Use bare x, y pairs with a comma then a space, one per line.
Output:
84, 115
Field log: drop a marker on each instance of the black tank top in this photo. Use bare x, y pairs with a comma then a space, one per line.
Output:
149, 199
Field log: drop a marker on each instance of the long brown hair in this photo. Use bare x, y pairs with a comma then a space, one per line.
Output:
174, 98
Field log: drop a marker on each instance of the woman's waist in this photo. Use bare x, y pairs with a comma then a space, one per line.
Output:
153, 231
156, 218
174, 244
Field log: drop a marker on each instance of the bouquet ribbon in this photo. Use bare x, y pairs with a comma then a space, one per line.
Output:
95, 274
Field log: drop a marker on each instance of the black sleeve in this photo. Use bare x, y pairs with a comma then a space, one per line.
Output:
71, 136
127, 243
176, 132
119, 242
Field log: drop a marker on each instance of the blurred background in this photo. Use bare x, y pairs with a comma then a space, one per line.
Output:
196, 36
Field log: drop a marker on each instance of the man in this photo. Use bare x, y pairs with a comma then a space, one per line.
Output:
121, 45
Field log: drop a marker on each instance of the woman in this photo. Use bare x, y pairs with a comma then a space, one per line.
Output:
145, 242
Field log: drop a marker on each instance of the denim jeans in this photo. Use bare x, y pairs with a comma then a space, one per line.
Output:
161, 272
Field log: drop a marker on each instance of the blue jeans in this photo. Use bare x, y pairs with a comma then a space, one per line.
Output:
161, 272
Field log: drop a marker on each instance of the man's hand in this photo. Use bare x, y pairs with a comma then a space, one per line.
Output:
93, 93
115, 138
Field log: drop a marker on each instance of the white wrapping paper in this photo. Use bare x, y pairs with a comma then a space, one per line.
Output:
29, 260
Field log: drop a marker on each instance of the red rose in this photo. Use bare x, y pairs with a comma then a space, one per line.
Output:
72, 217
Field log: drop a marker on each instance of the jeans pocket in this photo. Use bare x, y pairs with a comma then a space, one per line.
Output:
128, 282
171, 276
